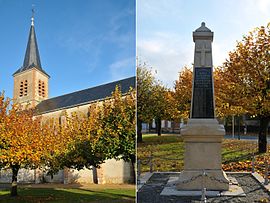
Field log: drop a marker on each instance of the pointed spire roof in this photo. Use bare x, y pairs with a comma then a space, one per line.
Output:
31, 58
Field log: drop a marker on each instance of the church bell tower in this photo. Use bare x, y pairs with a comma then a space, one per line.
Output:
31, 81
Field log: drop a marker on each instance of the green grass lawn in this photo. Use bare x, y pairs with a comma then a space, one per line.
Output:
63, 195
167, 146
172, 147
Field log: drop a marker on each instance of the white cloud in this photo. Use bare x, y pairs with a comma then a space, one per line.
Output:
167, 53
161, 8
121, 68
165, 30
262, 6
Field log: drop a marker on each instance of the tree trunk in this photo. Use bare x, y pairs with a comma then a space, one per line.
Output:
15, 170
263, 134
133, 172
158, 126
139, 130
95, 176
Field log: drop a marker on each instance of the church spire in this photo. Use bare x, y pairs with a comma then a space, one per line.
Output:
31, 58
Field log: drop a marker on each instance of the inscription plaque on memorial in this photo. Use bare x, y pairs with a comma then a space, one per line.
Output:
202, 103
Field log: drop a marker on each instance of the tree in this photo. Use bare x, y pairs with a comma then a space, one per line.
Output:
119, 125
182, 94
151, 100
159, 97
78, 144
246, 79
23, 141
145, 83
83, 147
108, 131
226, 105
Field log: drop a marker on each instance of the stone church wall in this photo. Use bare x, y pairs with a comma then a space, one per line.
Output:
112, 171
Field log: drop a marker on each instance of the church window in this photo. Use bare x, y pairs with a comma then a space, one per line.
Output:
41, 88
62, 121
23, 88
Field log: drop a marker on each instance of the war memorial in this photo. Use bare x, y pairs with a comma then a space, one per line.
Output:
202, 179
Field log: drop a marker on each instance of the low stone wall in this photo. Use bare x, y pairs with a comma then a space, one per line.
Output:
112, 171
24, 176
56, 178
81, 176
117, 171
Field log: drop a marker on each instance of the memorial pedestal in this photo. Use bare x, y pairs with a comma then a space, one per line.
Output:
202, 160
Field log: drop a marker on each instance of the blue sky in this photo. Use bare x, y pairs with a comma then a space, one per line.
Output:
82, 43
164, 33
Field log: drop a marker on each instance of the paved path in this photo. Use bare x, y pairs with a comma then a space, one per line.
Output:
150, 192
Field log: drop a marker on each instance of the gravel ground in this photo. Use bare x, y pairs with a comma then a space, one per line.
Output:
150, 192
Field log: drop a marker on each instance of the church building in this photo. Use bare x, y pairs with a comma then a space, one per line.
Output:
31, 87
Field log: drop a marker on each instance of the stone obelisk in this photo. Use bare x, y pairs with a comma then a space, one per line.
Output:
203, 134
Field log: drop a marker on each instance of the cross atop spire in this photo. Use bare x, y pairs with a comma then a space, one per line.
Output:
33, 13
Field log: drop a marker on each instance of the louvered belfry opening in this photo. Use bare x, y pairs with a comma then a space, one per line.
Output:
23, 88
41, 88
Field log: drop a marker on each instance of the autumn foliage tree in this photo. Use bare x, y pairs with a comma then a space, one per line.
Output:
182, 94
145, 83
23, 141
30, 141
226, 105
152, 100
159, 104
80, 145
119, 126
246, 79
108, 131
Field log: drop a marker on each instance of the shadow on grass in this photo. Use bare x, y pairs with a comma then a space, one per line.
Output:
62, 195
241, 157
163, 139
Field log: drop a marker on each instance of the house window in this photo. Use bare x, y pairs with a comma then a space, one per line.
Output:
23, 88
41, 88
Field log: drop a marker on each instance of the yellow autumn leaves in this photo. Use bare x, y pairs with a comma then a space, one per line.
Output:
29, 140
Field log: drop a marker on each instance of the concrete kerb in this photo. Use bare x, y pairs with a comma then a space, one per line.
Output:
257, 176
260, 179
234, 191
144, 178
170, 189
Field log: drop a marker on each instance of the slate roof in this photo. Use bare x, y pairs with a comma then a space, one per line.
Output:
31, 58
84, 96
